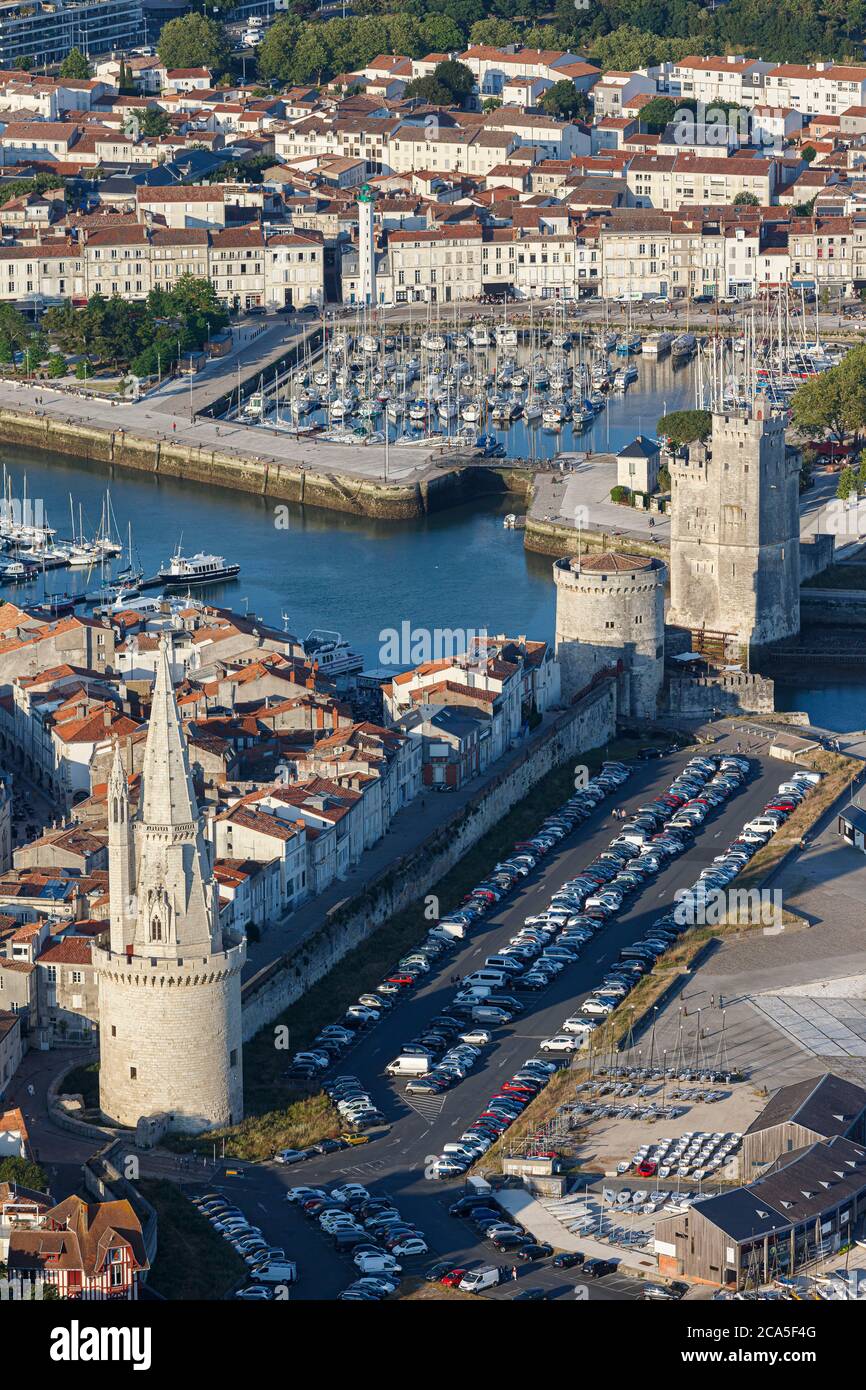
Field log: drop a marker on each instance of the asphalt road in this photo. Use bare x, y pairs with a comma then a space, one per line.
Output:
394, 1163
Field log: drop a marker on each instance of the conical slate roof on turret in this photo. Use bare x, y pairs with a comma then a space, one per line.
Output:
169, 798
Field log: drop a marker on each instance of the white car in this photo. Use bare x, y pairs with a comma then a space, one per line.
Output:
579, 1025
349, 1190
560, 1042
376, 1283
413, 1246
598, 1006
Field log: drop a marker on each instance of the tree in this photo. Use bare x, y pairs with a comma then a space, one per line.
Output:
428, 89
495, 32
193, 41
491, 103
440, 34
808, 153
746, 200
657, 114
449, 83
835, 401
75, 66
152, 121
274, 53
457, 77
685, 426
621, 495
14, 327
564, 100
56, 365
847, 484
310, 57
23, 1172
125, 81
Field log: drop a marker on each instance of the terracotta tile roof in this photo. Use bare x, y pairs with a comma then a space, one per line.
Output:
72, 950
212, 193
78, 1235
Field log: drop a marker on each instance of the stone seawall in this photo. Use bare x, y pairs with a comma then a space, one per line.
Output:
326, 488
588, 724
548, 538
822, 608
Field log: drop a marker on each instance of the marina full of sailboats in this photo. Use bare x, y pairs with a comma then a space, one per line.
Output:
105, 569
451, 378
448, 379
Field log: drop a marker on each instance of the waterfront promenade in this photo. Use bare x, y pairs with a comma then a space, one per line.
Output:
166, 418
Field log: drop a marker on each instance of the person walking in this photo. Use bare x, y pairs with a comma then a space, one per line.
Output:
514, 1271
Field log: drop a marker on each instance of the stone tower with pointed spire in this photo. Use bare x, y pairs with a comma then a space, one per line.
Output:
169, 985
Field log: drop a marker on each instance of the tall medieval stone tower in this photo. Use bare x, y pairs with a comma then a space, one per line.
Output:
735, 531
169, 986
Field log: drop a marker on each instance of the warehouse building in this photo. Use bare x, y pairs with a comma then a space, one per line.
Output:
798, 1115
808, 1207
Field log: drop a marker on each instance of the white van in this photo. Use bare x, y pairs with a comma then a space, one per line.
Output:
496, 978
409, 1066
455, 929
475, 1280
283, 1272
762, 824
636, 837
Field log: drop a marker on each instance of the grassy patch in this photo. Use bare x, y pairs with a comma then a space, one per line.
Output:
278, 1117
838, 771
192, 1261
84, 1081
301, 1123
418, 1290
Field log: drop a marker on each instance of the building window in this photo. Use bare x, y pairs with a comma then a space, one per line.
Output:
133, 1073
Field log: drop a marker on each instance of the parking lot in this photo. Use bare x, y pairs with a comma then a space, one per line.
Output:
395, 1163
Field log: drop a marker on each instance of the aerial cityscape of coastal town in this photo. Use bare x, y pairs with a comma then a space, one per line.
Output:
432, 665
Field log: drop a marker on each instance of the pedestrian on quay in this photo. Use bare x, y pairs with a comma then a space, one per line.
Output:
514, 1271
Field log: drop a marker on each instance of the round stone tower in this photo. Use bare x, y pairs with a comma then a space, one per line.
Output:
169, 983
610, 610
170, 1039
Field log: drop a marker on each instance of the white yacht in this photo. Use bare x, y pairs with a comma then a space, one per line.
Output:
334, 656
197, 569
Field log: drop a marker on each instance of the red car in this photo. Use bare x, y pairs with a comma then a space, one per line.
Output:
400, 980
452, 1279
647, 1169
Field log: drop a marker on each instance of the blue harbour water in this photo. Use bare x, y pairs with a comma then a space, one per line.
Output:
458, 569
